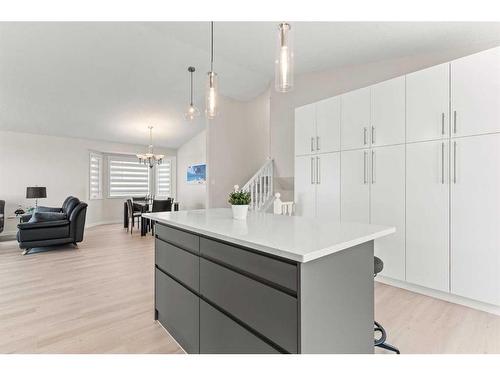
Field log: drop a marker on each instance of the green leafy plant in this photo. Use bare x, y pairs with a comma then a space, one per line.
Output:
238, 197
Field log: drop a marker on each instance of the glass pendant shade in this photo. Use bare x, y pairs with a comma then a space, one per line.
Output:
211, 95
192, 112
211, 91
284, 59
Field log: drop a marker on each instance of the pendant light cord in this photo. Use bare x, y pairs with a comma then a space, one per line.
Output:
211, 46
191, 88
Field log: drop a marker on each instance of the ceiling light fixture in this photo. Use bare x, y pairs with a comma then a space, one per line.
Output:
211, 94
192, 112
149, 158
284, 60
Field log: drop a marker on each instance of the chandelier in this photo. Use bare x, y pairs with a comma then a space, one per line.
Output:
149, 158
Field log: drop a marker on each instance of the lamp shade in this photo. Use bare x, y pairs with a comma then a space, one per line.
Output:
36, 192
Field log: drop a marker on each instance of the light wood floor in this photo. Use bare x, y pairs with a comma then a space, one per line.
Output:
99, 299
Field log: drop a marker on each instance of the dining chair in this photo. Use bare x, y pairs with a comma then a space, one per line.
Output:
132, 215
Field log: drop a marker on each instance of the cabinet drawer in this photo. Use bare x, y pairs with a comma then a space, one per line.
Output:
178, 237
220, 334
178, 311
269, 311
276, 271
179, 263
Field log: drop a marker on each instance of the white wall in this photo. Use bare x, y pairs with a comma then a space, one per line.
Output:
237, 144
60, 164
315, 86
191, 196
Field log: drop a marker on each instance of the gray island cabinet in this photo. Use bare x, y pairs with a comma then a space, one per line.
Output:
270, 284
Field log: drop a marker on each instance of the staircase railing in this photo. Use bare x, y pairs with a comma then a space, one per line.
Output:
260, 187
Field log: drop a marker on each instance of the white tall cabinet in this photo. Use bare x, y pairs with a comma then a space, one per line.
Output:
427, 104
387, 205
388, 112
475, 93
317, 161
422, 153
475, 217
355, 123
427, 214
355, 186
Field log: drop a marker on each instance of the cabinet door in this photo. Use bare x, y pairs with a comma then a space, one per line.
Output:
355, 188
427, 103
387, 206
427, 214
305, 130
305, 188
328, 187
355, 122
475, 218
388, 112
475, 93
328, 125
178, 311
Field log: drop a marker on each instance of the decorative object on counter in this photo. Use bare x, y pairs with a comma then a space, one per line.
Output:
196, 174
282, 208
36, 192
239, 201
149, 158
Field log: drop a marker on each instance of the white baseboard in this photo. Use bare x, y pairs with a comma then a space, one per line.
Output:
453, 298
90, 225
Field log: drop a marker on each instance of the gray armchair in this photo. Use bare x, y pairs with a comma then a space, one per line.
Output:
67, 229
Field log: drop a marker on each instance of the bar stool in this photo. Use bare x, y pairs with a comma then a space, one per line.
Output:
380, 342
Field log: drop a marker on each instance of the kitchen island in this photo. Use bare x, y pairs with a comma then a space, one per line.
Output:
270, 284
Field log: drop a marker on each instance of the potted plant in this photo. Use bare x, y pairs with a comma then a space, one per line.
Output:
239, 201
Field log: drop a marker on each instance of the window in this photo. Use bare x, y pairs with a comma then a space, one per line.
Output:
164, 183
127, 177
95, 176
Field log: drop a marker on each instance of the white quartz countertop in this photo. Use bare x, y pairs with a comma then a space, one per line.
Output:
296, 238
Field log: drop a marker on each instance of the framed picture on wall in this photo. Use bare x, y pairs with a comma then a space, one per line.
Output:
196, 174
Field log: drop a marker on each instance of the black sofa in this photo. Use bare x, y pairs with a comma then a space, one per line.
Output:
68, 229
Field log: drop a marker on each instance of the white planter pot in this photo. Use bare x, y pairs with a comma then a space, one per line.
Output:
240, 211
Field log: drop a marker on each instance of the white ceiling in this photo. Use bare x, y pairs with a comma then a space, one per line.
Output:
110, 80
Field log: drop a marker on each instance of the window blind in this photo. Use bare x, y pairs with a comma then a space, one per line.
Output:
164, 179
127, 178
95, 176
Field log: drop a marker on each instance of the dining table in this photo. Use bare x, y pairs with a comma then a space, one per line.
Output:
143, 207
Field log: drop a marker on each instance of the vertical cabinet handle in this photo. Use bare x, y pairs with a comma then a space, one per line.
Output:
455, 122
373, 135
312, 171
455, 162
365, 153
442, 123
365, 130
318, 170
317, 143
312, 143
373, 166
442, 163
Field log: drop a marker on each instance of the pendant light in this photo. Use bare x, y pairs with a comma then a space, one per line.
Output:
150, 158
284, 59
192, 112
211, 94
